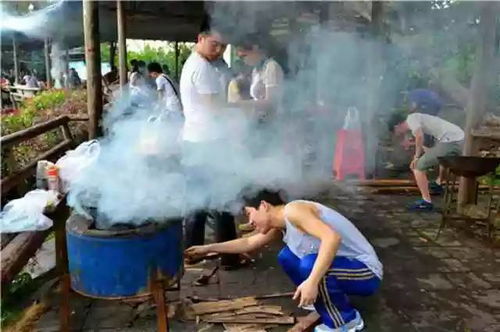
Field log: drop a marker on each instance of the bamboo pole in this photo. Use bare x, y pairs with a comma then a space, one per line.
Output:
47, 63
16, 61
93, 62
122, 45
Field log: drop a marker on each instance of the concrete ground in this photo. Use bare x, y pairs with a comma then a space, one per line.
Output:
449, 284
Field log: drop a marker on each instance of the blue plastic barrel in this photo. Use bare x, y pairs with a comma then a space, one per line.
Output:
114, 264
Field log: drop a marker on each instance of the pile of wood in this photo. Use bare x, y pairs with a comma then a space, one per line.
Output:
241, 314
395, 186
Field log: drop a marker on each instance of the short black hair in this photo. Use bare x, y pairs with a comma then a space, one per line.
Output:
133, 62
395, 119
155, 67
272, 197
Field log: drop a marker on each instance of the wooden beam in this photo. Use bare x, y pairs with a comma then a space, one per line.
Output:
112, 54
122, 42
306, 323
93, 62
47, 63
177, 60
480, 87
16, 61
17, 253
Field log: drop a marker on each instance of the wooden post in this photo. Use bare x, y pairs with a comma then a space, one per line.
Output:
177, 60
122, 45
47, 64
480, 86
16, 61
93, 64
112, 53
374, 71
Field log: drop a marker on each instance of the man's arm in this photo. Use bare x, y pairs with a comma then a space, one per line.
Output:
238, 246
308, 221
419, 143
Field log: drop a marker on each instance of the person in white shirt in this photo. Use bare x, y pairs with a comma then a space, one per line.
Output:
168, 95
449, 138
202, 98
325, 256
266, 87
30, 80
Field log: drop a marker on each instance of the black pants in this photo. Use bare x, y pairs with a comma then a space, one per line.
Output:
201, 179
225, 230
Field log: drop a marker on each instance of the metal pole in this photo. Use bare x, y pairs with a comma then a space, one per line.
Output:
122, 46
93, 64
16, 68
47, 64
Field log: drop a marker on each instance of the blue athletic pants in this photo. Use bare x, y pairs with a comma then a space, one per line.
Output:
345, 277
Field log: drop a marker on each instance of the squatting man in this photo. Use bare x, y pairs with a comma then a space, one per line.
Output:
325, 255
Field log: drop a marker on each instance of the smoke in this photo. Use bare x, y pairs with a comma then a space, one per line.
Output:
36, 24
145, 172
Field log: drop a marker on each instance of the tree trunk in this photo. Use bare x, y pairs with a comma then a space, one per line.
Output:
481, 83
16, 61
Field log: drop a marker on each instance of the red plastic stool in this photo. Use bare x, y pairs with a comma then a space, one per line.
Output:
349, 156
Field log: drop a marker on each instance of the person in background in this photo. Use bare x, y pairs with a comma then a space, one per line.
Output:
133, 64
325, 256
73, 81
202, 97
239, 88
449, 138
168, 94
111, 77
224, 71
266, 86
426, 102
30, 80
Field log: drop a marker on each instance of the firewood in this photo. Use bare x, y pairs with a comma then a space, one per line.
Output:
306, 323
254, 319
224, 305
230, 327
267, 309
386, 183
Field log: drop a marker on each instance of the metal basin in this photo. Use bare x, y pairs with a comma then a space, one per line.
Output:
116, 264
470, 167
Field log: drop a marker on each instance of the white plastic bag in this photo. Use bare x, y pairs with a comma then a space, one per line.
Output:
351, 121
76, 161
26, 214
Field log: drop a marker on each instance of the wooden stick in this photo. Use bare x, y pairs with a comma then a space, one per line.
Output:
252, 319
305, 323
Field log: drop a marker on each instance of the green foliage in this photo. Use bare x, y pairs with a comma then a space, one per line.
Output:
21, 286
41, 108
164, 56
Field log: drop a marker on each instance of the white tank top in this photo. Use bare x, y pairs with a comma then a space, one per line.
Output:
353, 244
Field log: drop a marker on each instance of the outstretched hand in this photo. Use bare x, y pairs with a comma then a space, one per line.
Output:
196, 252
306, 292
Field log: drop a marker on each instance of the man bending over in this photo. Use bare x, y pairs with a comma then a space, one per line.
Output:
449, 138
325, 255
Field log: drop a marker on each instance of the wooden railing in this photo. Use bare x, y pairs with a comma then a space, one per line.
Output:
17, 249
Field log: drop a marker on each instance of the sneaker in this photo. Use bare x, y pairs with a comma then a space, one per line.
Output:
421, 205
357, 324
435, 189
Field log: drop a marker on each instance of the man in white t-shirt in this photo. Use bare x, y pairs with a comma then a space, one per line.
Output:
168, 94
449, 138
203, 133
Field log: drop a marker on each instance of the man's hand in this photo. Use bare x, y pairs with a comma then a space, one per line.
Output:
307, 292
195, 252
413, 163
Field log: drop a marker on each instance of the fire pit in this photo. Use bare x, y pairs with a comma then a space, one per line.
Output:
121, 263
